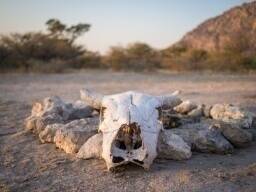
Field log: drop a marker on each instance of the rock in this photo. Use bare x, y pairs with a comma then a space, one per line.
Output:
170, 101
204, 137
80, 110
211, 140
37, 124
172, 146
253, 133
54, 110
30, 123
206, 110
237, 136
73, 135
42, 122
252, 130
37, 108
54, 105
48, 134
92, 148
253, 122
185, 107
169, 119
232, 114
196, 113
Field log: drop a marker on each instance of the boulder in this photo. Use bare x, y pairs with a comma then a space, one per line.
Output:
37, 124
48, 134
211, 140
80, 110
237, 136
92, 148
74, 134
172, 146
232, 114
204, 137
54, 110
54, 105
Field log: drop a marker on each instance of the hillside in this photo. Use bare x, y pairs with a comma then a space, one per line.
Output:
236, 24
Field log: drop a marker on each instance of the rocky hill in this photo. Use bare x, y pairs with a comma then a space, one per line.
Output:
235, 25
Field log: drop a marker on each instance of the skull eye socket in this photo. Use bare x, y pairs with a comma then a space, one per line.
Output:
128, 137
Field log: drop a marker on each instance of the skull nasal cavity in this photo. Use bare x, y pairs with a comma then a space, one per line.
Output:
129, 137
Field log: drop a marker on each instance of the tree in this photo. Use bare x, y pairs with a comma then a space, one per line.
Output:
55, 27
76, 31
60, 30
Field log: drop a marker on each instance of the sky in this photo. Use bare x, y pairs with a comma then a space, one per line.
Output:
114, 22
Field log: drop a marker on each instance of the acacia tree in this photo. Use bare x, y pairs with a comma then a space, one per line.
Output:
59, 30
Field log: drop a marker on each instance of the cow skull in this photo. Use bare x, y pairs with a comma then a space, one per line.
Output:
130, 123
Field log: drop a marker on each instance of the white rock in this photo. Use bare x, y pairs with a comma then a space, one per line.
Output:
73, 135
185, 107
232, 114
54, 110
37, 124
48, 134
204, 137
92, 148
172, 146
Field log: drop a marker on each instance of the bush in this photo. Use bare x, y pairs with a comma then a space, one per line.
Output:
36, 51
88, 60
116, 58
56, 51
136, 57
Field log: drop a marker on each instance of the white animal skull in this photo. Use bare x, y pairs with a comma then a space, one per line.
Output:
130, 125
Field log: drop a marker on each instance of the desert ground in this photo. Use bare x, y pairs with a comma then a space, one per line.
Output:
28, 165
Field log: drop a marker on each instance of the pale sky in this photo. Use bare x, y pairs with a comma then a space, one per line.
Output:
114, 22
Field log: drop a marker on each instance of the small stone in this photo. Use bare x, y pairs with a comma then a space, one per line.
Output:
185, 107
196, 113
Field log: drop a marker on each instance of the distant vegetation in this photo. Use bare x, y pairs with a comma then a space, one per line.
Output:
56, 51
53, 51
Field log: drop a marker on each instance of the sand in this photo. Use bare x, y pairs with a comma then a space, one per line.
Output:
27, 165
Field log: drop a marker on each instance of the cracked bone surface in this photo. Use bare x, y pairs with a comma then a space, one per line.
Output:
136, 127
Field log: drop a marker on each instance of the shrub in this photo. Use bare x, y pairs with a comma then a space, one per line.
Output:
136, 57
55, 49
116, 58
